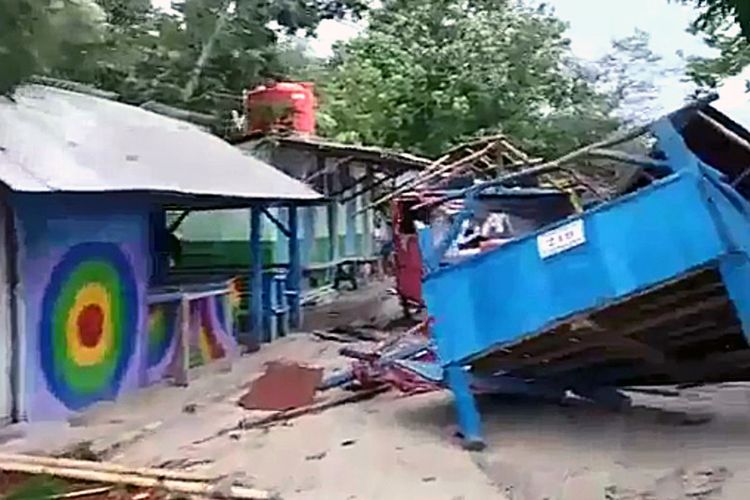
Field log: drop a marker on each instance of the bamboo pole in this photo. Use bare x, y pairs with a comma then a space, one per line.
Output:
474, 143
83, 493
106, 467
328, 170
513, 149
172, 485
729, 134
573, 155
421, 180
640, 161
430, 168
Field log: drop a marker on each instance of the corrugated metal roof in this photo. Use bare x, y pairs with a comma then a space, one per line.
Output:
368, 153
56, 140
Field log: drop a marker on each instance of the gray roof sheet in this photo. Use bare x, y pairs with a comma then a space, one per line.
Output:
54, 140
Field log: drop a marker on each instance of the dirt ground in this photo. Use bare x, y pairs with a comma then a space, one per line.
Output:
688, 443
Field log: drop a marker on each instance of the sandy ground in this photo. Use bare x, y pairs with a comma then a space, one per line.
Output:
692, 444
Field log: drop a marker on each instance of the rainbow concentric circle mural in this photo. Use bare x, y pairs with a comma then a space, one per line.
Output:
88, 326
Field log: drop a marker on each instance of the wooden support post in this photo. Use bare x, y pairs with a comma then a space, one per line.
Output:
333, 235
158, 237
307, 234
350, 246
294, 276
182, 363
368, 245
256, 277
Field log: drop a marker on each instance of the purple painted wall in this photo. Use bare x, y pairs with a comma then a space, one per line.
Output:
84, 273
211, 335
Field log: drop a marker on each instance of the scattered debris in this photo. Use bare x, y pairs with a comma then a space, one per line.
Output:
317, 456
81, 451
183, 463
333, 337
283, 386
128, 439
351, 352
429, 479
285, 416
318, 296
381, 364
190, 408
348, 442
358, 332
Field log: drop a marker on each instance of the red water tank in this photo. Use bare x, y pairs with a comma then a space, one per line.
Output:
289, 105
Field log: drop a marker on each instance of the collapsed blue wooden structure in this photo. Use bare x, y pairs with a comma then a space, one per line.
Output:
651, 287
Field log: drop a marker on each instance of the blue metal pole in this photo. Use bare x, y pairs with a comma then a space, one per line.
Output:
256, 277
294, 278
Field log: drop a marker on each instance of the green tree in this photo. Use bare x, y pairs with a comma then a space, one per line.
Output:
426, 74
627, 75
713, 11
202, 58
44, 36
717, 23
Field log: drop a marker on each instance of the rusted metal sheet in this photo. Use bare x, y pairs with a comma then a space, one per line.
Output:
282, 387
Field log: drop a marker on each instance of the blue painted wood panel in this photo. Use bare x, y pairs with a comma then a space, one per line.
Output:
631, 244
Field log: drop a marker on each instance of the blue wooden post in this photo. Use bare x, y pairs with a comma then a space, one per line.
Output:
333, 237
294, 277
350, 246
308, 234
469, 420
256, 277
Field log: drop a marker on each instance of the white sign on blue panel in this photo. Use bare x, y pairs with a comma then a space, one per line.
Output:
561, 239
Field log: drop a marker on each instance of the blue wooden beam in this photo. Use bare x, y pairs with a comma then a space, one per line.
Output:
280, 225
256, 276
469, 420
294, 277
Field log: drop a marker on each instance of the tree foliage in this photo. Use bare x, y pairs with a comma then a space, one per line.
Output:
717, 23
626, 76
713, 11
40, 36
200, 57
429, 73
